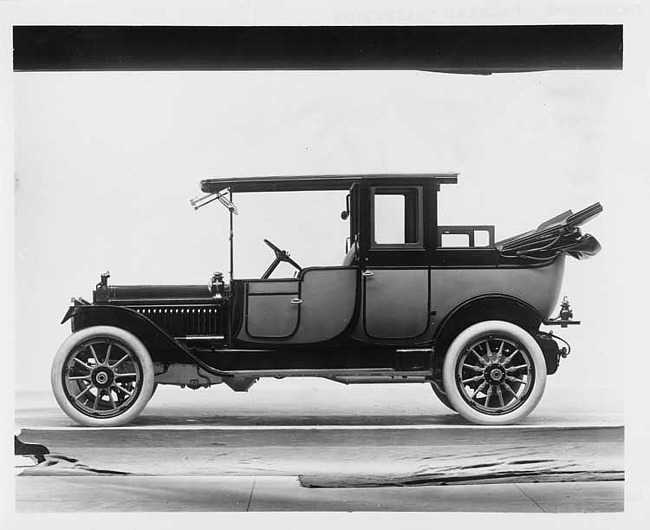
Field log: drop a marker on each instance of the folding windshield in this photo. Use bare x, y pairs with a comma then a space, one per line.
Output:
221, 196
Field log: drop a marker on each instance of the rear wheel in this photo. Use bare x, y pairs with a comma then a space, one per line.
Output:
494, 373
102, 376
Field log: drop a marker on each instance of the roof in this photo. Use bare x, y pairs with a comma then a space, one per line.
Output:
314, 182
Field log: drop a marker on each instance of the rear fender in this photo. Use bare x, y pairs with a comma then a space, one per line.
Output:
487, 307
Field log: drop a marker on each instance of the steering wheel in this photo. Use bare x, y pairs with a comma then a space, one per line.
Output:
280, 256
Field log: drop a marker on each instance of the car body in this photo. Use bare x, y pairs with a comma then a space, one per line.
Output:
403, 307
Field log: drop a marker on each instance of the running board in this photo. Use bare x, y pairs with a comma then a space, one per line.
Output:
193, 376
355, 380
358, 375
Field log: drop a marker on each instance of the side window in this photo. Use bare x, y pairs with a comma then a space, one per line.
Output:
397, 217
461, 236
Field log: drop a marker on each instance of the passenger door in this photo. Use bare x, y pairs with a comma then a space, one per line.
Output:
272, 308
316, 307
395, 268
396, 302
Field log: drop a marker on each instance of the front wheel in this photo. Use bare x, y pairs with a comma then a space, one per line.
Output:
102, 376
494, 373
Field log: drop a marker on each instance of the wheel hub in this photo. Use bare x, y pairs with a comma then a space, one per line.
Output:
102, 377
495, 374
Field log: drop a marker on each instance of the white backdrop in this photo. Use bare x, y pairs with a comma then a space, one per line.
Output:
527, 146
106, 163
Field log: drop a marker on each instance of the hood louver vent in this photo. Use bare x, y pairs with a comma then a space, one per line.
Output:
184, 321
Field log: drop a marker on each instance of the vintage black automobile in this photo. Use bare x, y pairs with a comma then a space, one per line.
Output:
404, 306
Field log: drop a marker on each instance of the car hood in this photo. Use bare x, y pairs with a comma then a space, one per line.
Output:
153, 293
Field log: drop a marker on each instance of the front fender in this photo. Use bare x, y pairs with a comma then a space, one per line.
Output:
162, 347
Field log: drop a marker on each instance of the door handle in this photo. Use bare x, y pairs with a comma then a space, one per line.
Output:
296, 301
367, 274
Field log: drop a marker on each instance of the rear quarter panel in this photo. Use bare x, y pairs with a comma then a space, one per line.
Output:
538, 286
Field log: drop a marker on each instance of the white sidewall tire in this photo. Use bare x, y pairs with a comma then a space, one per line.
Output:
474, 333
153, 390
137, 348
441, 394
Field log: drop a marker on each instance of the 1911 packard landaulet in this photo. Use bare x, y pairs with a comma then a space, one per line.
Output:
404, 306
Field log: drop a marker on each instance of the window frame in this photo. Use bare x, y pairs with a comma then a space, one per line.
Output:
418, 211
